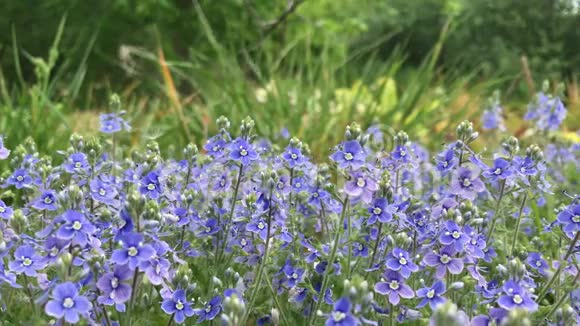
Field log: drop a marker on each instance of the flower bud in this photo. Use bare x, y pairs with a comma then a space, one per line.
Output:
353, 131
511, 145
401, 138
447, 314
190, 151
275, 315
456, 286
517, 317
465, 131
223, 123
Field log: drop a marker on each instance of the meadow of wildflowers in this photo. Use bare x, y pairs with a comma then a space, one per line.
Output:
243, 233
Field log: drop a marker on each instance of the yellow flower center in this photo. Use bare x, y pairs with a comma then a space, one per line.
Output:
132, 252
26, 261
77, 225
68, 303
114, 282
338, 316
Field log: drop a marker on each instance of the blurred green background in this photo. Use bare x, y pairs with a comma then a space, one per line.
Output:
311, 66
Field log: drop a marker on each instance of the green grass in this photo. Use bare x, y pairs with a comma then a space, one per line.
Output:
313, 91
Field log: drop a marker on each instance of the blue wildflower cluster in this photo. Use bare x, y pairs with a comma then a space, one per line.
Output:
247, 233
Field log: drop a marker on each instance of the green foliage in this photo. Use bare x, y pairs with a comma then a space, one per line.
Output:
490, 35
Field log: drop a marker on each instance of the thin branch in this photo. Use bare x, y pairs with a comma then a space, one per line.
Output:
268, 28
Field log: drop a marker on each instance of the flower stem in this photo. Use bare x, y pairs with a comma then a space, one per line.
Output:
170, 322
496, 212
562, 299
518, 223
133, 288
392, 315
376, 245
263, 264
29, 294
546, 287
335, 246
277, 302
349, 230
231, 216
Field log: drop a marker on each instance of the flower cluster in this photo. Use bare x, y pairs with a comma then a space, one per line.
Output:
246, 233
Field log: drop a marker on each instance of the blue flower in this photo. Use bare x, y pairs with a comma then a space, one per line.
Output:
351, 155
76, 163
67, 303
466, 184
516, 297
178, 306
26, 261
151, 186
215, 146
432, 295
401, 153
113, 286
360, 249
446, 161
394, 286
293, 157
75, 227
20, 179
501, 169
4, 152
209, 227
570, 218
361, 186
53, 247
524, 167
341, 315
379, 211
536, 261
444, 261
157, 268
113, 123
46, 201
5, 211
243, 152
492, 118
549, 112
103, 192
453, 235
293, 274
259, 226
399, 261
133, 252
211, 309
